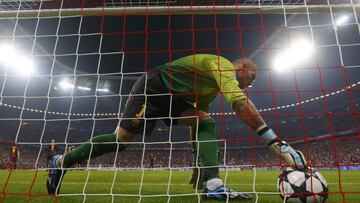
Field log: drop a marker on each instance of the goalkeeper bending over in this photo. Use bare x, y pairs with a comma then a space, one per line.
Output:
184, 88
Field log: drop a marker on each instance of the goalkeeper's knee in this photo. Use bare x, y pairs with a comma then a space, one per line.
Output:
106, 143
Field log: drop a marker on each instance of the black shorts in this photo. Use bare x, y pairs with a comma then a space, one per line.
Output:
158, 104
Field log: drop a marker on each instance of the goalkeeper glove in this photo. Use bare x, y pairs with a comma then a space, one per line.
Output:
292, 157
196, 177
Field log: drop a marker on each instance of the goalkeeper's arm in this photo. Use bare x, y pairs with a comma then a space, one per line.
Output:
248, 113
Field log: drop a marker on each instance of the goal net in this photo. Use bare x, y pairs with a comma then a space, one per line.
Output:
67, 68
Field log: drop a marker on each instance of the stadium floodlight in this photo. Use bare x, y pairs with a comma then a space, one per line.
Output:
299, 51
84, 88
341, 20
66, 85
103, 90
15, 61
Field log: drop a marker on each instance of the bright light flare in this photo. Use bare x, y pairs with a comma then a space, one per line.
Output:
103, 90
15, 61
84, 88
298, 52
342, 20
66, 85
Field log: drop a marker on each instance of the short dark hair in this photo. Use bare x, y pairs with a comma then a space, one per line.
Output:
247, 61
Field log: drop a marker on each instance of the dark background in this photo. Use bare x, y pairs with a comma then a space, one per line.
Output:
113, 51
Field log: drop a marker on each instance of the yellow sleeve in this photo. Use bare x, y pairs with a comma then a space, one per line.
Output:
223, 71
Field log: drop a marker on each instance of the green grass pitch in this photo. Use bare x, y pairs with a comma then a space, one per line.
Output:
157, 186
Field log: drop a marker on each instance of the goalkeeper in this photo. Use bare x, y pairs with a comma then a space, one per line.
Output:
183, 91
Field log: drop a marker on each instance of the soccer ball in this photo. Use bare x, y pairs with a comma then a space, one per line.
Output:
302, 187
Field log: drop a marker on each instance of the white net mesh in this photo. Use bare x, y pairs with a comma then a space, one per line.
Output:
86, 55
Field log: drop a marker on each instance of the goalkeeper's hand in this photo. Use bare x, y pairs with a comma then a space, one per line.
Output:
196, 177
292, 157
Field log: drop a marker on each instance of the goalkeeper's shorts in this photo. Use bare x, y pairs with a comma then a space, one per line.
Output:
144, 111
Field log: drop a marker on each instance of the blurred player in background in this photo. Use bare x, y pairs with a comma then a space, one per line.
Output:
151, 160
13, 157
52, 151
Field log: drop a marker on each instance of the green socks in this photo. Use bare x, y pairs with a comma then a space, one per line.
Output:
208, 148
97, 146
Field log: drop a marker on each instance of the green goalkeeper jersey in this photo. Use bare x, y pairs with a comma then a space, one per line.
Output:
199, 78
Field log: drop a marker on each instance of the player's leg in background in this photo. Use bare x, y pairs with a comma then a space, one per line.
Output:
13, 163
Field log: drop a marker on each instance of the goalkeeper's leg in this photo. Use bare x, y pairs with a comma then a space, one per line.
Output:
132, 123
208, 153
95, 147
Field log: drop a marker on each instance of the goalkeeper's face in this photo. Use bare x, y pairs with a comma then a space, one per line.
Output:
245, 76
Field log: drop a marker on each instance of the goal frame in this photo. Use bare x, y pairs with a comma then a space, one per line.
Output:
181, 10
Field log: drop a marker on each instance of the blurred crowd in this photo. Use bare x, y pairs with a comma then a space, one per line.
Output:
330, 138
327, 152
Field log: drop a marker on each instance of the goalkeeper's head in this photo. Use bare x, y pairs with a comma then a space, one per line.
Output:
245, 72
